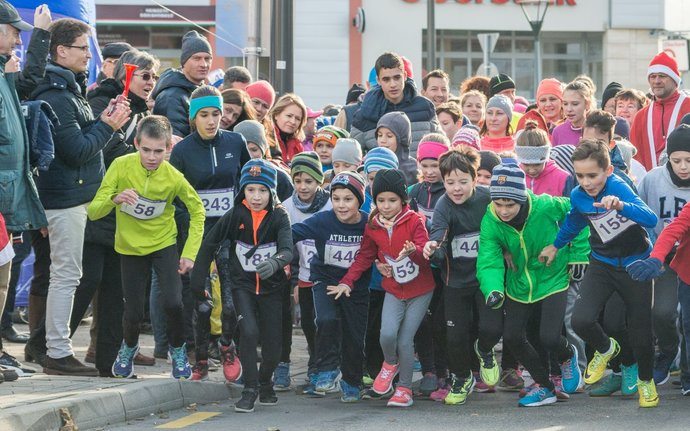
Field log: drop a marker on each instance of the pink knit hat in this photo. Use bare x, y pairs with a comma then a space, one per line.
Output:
262, 90
467, 136
430, 150
550, 86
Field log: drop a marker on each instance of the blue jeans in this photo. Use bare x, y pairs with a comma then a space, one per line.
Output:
684, 300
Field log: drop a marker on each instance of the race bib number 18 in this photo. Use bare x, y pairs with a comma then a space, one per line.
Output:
144, 209
610, 224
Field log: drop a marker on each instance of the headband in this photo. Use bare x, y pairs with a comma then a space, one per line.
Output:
195, 105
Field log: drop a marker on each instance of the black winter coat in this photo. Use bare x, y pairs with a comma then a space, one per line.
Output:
172, 100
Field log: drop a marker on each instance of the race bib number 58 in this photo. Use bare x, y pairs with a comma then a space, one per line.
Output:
144, 209
610, 224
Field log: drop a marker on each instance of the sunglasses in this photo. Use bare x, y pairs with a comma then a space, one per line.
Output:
147, 76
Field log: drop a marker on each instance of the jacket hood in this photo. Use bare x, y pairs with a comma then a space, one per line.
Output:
375, 104
110, 88
173, 78
58, 77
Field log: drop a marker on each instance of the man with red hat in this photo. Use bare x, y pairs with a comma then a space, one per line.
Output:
653, 123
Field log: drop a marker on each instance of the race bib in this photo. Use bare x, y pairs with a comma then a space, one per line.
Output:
217, 202
340, 254
404, 270
262, 253
428, 213
144, 209
307, 252
466, 246
610, 224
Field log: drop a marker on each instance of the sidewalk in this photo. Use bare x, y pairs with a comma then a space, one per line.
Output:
35, 403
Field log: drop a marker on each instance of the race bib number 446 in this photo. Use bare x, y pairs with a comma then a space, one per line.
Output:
144, 209
340, 254
610, 224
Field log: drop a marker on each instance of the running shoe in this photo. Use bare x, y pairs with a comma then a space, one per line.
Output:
384, 381
267, 396
510, 381
367, 381
561, 394
9, 361
459, 390
570, 373
401, 398
609, 386
8, 374
648, 395
232, 367
281, 377
526, 390
629, 383
246, 403
369, 394
526, 377
181, 369
685, 390
661, 371
200, 370
442, 391
123, 366
480, 386
349, 393
310, 387
538, 396
488, 368
428, 385
327, 382
597, 366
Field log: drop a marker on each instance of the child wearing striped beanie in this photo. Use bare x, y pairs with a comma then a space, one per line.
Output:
324, 142
376, 159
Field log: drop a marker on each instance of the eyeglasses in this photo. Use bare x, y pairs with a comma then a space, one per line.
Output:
146, 76
84, 48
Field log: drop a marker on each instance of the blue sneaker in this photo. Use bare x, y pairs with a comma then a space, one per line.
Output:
124, 362
327, 382
281, 377
629, 380
350, 394
570, 373
662, 368
181, 369
538, 397
310, 388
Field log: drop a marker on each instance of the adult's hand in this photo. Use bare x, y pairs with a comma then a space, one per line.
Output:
42, 18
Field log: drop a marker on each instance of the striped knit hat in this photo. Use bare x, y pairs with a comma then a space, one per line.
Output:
380, 158
258, 171
508, 182
307, 162
467, 135
329, 134
351, 181
562, 156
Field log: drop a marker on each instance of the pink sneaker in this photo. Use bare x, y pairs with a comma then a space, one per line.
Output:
480, 386
401, 398
232, 367
384, 381
440, 393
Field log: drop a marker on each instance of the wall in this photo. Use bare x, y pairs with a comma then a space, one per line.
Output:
626, 56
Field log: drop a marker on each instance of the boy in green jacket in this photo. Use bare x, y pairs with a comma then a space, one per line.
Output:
521, 224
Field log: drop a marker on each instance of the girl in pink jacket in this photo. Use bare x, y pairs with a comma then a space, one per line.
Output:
542, 174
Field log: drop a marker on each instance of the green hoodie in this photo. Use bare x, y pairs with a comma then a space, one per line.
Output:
532, 280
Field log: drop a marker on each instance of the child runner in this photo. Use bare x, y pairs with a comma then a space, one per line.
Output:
577, 101
488, 160
617, 218
340, 319
347, 156
142, 186
543, 175
394, 131
395, 235
522, 224
260, 246
453, 247
324, 142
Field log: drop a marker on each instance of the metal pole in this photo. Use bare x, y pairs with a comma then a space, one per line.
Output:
537, 61
430, 35
252, 39
487, 56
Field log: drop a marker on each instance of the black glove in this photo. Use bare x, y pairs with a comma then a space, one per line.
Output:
267, 268
577, 271
495, 300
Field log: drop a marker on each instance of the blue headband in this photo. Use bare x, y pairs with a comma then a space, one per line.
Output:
195, 105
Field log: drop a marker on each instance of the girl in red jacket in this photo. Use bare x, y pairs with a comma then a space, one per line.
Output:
395, 237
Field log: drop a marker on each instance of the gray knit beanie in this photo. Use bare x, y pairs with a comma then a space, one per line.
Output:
347, 150
503, 103
193, 42
398, 123
253, 131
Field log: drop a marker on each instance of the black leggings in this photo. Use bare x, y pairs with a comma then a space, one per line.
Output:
429, 340
286, 347
517, 315
306, 307
136, 276
600, 282
372, 347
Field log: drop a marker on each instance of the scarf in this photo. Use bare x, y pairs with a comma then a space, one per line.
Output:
677, 181
320, 199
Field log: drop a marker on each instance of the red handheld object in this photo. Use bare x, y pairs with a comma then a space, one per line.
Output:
129, 71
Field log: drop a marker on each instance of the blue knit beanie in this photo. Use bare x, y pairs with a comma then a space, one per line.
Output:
380, 158
508, 182
259, 171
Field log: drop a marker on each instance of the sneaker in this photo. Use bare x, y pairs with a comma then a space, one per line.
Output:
181, 369
9, 361
214, 350
384, 381
246, 403
526, 377
232, 367
597, 366
350, 394
510, 381
570, 374
561, 394
267, 396
200, 370
662, 368
480, 386
369, 394
629, 383
538, 396
648, 395
123, 366
401, 398
8, 374
612, 384
488, 368
367, 381
327, 382
428, 385
685, 391
281, 377
526, 390
441, 393
459, 390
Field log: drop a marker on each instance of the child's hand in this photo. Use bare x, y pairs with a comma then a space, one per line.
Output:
429, 249
186, 265
384, 268
548, 254
407, 250
127, 196
610, 203
339, 290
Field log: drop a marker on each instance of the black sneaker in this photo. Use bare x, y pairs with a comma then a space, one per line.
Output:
8, 374
267, 396
10, 362
246, 403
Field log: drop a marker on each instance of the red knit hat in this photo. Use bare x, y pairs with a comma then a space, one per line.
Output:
262, 90
407, 65
550, 86
664, 63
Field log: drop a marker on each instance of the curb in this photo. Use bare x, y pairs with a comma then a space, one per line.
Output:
98, 408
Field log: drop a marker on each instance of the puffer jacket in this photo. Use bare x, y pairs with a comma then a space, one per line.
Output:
552, 181
41, 124
172, 94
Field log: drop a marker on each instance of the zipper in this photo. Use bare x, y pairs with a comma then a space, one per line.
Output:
214, 159
523, 245
146, 183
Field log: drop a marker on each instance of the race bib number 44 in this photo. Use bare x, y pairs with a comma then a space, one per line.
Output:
466, 246
144, 209
610, 224
404, 270
217, 202
340, 254
262, 253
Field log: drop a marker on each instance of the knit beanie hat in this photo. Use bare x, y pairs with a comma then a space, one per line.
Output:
508, 182
467, 135
407, 66
353, 93
550, 86
307, 162
380, 158
679, 139
347, 150
193, 42
258, 171
622, 128
261, 90
610, 92
398, 123
501, 102
372, 77
430, 150
390, 180
499, 83
329, 134
664, 63
488, 160
351, 181
253, 131
562, 156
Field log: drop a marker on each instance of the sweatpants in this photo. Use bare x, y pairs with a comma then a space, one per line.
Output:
341, 327
599, 283
306, 307
400, 320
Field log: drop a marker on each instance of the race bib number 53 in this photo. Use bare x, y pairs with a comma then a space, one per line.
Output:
404, 270
610, 224
144, 209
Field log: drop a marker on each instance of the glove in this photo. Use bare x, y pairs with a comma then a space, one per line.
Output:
205, 306
645, 269
267, 268
495, 300
577, 271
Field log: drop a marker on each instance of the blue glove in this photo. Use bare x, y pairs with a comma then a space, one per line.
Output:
495, 300
645, 269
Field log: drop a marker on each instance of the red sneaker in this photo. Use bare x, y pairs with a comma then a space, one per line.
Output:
200, 371
384, 381
232, 367
401, 398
